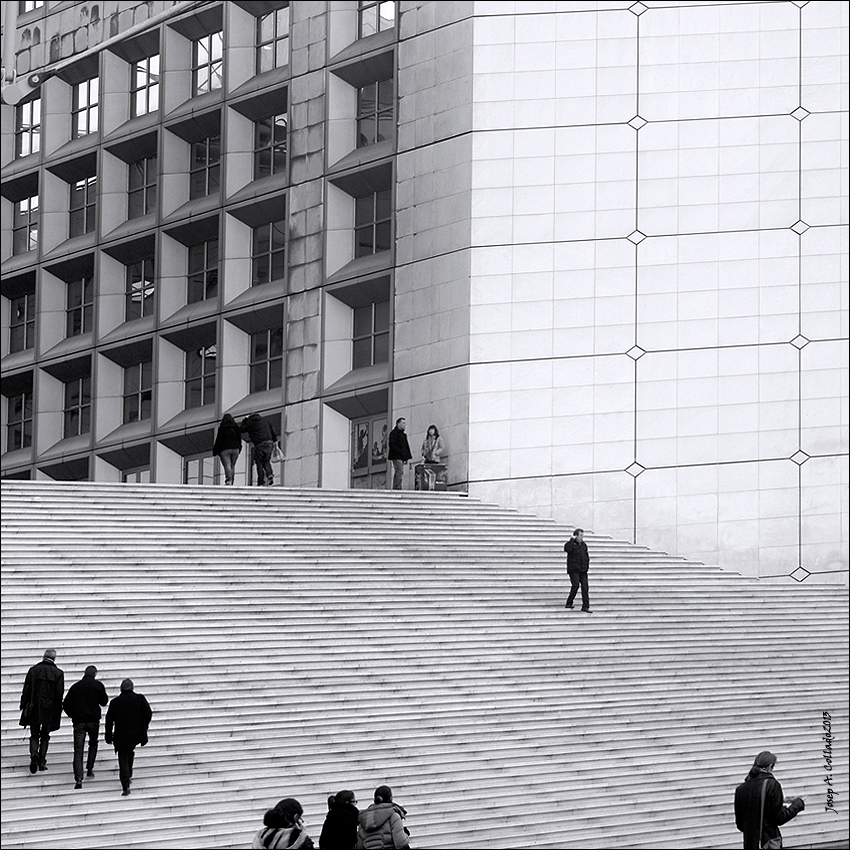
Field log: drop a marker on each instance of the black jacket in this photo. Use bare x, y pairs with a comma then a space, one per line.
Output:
228, 437
748, 810
340, 829
258, 429
399, 449
127, 721
84, 699
44, 687
578, 559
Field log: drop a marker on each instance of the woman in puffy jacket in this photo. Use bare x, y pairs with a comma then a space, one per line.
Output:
380, 826
340, 829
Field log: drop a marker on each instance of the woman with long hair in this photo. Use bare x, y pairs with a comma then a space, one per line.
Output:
283, 828
228, 444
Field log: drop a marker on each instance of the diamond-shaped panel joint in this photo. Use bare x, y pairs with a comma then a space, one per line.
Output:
637, 122
635, 469
637, 8
800, 574
635, 352
636, 237
799, 113
800, 227
800, 457
799, 341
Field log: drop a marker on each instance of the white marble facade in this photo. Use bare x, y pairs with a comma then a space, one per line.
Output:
659, 278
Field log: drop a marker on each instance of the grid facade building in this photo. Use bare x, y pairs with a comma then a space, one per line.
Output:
603, 247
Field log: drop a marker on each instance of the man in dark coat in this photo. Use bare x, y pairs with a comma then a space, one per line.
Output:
82, 705
41, 706
578, 561
748, 804
262, 436
399, 451
127, 722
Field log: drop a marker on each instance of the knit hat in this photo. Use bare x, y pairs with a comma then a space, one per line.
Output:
765, 759
127, 685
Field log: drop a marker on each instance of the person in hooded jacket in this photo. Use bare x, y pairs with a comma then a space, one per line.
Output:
340, 828
380, 827
748, 805
283, 828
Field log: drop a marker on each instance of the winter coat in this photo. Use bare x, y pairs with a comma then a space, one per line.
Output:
380, 827
258, 429
399, 447
433, 448
748, 810
43, 687
340, 829
129, 715
276, 838
228, 437
84, 699
578, 558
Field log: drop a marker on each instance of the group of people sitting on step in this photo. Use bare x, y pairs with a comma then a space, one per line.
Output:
379, 827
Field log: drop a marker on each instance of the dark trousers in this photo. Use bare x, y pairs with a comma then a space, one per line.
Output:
228, 458
577, 579
125, 766
81, 731
39, 741
262, 460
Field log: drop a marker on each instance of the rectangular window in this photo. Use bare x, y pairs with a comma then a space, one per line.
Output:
28, 127
270, 145
141, 194
206, 63
141, 288
273, 40
200, 377
29, 5
25, 225
372, 223
266, 360
80, 309
19, 422
138, 392
83, 206
203, 271
374, 113
84, 108
204, 169
144, 86
374, 17
142, 475
371, 334
268, 253
77, 407
22, 322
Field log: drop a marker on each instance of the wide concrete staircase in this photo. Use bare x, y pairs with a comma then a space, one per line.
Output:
296, 642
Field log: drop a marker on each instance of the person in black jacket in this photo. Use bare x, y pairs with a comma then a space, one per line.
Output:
228, 444
82, 704
262, 436
750, 814
340, 828
41, 706
127, 722
578, 561
399, 451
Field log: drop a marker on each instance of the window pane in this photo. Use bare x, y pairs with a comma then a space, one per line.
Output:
258, 378
275, 374
382, 315
363, 210
276, 342
363, 320
363, 242
384, 205
382, 348
362, 353
383, 234
259, 346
